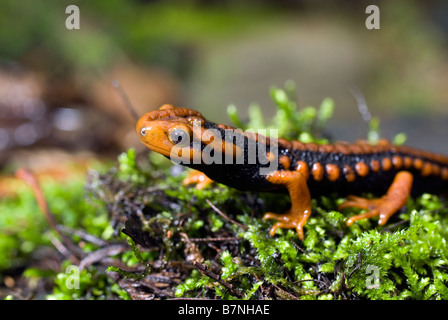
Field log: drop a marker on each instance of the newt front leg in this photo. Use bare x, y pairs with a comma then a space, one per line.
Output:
387, 205
197, 177
299, 193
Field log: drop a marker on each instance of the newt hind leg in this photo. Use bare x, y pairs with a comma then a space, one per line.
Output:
300, 211
387, 205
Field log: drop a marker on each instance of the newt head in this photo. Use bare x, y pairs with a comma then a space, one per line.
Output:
162, 129
184, 134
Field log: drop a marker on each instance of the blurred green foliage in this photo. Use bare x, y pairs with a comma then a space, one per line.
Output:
305, 124
156, 32
23, 228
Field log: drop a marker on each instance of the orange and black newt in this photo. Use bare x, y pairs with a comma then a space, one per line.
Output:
301, 169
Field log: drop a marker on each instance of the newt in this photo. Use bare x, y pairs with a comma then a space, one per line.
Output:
301, 169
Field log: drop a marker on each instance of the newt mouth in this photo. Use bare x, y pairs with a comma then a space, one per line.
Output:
164, 151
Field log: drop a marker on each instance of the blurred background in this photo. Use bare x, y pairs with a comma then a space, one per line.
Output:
57, 103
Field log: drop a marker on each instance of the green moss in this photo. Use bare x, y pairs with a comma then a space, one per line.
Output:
409, 262
85, 284
138, 258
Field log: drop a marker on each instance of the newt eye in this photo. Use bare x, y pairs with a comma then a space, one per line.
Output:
177, 136
143, 132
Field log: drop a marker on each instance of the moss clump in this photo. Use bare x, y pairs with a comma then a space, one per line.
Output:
91, 284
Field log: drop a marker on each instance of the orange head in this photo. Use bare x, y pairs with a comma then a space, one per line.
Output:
162, 129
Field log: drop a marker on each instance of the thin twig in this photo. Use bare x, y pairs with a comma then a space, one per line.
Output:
62, 248
390, 227
31, 180
286, 292
102, 253
192, 299
204, 270
117, 86
219, 239
361, 102
66, 246
306, 280
83, 235
358, 265
224, 216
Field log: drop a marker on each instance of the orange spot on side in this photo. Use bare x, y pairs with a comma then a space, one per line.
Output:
426, 169
407, 162
418, 163
285, 162
302, 167
386, 163
362, 169
397, 162
349, 174
435, 169
444, 173
333, 172
317, 171
375, 165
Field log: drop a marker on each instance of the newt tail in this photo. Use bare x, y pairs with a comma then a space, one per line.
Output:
249, 161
